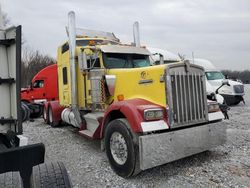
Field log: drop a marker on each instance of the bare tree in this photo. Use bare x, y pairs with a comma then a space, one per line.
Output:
6, 20
244, 76
182, 56
32, 63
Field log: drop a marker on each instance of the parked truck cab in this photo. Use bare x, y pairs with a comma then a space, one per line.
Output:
144, 115
43, 86
233, 92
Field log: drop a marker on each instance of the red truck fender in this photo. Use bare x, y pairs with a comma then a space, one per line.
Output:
132, 110
55, 109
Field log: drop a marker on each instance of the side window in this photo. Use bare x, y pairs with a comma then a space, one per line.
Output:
65, 47
38, 84
94, 63
65, 76
140, 61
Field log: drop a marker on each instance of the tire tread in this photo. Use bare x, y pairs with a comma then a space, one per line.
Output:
52, 175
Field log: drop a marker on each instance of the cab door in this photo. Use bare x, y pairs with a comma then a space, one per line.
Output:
38, 92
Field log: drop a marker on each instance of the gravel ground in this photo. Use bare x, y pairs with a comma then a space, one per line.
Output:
224, 166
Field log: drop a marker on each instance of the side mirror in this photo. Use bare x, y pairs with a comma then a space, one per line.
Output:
225, 82
82, 59
161, 59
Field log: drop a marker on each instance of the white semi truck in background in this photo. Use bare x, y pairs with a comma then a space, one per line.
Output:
232, 92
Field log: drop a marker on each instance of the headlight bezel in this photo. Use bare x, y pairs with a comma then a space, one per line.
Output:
153, 114
213, 107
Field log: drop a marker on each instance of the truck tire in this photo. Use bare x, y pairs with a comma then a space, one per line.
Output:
11, 180
121, 151
51, 120
25, 111
45, 175
52, 174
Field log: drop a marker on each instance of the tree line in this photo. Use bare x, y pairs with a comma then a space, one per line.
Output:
243, 76
32, 63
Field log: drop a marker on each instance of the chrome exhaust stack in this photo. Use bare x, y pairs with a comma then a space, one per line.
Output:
136, 34
72, 46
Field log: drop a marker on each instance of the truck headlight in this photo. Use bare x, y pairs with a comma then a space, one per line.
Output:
213, 107
153, 114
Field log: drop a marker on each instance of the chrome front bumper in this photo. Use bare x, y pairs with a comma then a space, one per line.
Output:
158, 149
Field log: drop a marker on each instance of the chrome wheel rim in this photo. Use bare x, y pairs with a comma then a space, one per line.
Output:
118, 147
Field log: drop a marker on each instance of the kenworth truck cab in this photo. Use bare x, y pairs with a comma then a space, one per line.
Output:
144, 115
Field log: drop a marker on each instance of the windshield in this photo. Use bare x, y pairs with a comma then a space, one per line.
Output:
214, 75
116, 61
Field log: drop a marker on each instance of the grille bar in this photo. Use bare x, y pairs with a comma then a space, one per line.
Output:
187, 97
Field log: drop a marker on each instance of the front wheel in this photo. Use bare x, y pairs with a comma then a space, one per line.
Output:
121, 151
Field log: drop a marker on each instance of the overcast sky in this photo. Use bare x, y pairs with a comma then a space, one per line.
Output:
218, 30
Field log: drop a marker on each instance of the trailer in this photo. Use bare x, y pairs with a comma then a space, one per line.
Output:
144, 115
21, 164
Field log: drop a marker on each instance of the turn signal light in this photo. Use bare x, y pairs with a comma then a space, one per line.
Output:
120, 97
91, 43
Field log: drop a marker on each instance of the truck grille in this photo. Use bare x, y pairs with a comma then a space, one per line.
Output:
187, 101
238, 88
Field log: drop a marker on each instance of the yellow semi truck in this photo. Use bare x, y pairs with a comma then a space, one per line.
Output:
144, 115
